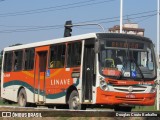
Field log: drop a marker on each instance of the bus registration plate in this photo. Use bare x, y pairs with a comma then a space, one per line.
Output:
130, 96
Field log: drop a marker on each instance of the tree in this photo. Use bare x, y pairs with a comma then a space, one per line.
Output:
15, 44
0, 68
0, 62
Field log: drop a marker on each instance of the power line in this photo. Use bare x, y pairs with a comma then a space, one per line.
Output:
47, 8
56, 8
144, 18
95, 20
61, 26
32, 29
151, 15
11, 26
134, 14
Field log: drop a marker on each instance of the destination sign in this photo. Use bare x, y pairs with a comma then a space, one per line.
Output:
123, 44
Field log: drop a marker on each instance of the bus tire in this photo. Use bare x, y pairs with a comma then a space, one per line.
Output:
74, 101
22, 98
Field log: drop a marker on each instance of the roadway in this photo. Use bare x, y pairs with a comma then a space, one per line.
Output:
15, 111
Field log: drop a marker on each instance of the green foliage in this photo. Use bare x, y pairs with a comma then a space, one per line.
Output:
15, 44
145, 108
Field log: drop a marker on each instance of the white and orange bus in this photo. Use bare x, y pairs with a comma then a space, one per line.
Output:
112, 69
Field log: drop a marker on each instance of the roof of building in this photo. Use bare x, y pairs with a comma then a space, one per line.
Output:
117, 27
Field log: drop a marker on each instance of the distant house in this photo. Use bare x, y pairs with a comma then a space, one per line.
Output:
128, 28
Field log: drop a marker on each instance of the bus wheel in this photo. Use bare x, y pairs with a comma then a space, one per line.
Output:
74, 101
22, 98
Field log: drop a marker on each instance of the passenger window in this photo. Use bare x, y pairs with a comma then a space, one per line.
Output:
74, 54
8, 61
29, 59
57, 56
18, 59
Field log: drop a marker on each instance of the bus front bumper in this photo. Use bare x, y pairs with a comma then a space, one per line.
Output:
115, 98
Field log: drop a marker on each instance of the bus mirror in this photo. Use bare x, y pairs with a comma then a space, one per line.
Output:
96, 47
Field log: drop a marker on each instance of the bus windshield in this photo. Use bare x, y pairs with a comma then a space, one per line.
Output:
127, 59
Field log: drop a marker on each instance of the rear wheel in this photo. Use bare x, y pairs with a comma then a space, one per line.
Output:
74, 101
22, 98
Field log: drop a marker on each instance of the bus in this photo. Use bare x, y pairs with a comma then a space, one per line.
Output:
95, 69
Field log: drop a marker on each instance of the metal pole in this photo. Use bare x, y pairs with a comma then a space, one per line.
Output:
158, 30
121, 16
84, 24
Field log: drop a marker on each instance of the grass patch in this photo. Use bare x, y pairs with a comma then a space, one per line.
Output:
145, 108
3, 103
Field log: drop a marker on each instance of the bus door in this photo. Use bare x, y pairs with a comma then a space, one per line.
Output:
88, 71
40, 73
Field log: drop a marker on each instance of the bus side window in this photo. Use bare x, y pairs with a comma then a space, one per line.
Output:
57, 56
74, 54
29, 59
18, 59
8, 61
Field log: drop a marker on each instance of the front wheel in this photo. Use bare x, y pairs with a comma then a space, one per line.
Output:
22, 98
74, 101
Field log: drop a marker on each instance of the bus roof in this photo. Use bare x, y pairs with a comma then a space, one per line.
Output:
53, 41
77, 37
118, 35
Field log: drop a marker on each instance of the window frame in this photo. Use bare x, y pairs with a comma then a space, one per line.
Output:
11, 61
30, 56
49, 58
22, 59
73, 64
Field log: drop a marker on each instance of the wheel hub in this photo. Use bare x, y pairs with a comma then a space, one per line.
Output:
75, 102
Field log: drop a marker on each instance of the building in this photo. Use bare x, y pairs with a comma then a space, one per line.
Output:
128, 28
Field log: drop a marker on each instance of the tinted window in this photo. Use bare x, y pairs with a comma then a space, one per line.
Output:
57, 56
8, 61
74, 54
18, 59
29, 59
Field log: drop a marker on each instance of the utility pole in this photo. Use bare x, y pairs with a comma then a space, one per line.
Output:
158, 30
121, 15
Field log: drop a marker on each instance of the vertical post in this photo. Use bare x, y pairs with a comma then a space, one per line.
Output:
158, 30
121, 15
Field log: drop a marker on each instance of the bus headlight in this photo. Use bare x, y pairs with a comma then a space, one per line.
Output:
103, 84
153, 89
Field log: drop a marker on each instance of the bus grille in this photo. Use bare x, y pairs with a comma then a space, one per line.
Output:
135, 89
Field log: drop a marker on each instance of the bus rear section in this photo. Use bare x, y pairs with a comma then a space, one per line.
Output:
115, 70
44, 74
